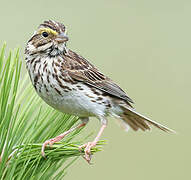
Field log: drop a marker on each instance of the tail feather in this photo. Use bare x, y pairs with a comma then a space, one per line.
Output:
137, 121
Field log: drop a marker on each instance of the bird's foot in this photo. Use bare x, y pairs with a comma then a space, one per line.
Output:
87, 150
50, 142
60, 137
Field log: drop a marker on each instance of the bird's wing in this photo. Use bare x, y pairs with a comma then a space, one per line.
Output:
78, 68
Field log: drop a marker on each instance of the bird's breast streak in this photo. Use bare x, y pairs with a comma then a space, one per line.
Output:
75, 101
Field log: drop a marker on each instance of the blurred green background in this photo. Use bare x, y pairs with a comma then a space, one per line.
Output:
144, 46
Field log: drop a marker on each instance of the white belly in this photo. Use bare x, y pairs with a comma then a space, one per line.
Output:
82, 103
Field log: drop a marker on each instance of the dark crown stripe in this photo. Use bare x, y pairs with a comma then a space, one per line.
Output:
49, 26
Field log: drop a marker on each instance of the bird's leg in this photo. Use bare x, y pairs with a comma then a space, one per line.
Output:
89, 145
61, 136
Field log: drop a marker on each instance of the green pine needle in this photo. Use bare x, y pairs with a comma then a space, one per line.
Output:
25, 123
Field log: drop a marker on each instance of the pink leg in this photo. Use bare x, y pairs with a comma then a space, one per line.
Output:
89, 145
60, 137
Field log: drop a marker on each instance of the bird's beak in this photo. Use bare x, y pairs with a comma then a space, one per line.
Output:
62, 38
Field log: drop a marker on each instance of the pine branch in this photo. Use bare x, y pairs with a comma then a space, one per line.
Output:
25, 123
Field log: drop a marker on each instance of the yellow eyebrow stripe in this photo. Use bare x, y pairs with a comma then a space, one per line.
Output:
48, 30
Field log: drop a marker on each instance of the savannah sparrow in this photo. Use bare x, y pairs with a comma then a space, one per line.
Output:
69, 83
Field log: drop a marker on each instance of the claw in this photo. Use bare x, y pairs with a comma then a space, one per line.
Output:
48, 142
87, 150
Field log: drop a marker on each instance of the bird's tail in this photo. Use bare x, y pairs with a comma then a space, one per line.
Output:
137, 121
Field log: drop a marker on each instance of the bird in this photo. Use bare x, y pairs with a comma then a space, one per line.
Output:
71, 84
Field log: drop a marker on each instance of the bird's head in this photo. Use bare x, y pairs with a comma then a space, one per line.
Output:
49, 38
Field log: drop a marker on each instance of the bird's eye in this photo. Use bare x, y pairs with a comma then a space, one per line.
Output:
44, 34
